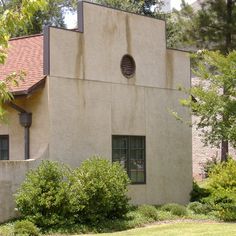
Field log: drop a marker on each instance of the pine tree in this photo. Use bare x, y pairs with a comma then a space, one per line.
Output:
212, 27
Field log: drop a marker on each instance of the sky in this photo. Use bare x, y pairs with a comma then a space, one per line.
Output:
71, 19
176, 3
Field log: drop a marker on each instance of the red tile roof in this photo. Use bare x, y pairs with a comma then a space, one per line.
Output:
25, 53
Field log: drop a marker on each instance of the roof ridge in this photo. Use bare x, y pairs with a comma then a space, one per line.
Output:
26, 36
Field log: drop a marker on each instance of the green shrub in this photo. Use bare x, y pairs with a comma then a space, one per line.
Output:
43, 196
52, 194
223, 175
175, 209
198, 193
7, 229
148, 211
198, 207
222, 187
209, 165
98, 191
25, 228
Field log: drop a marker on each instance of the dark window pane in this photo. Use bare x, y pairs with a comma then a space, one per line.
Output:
4, 147
137, 154
133, 176
136, 165
137, 142
137, 176
140, 177
129, 151
4, 154
4, 144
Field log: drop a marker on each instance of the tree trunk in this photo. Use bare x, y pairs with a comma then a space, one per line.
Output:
224, 150
228, 47
228, 35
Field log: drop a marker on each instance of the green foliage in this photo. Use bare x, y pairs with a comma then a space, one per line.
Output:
198, 193
199, 208
53, 15
148, 211
13, 18
7, 229
173, 31
175, 209
138, 6
223, 175
213, 26
10, 20
43, 197
53, 195
183, 21
219, 196
98, 191
131, 220
208, 166
25, 228
222, 187
215, 94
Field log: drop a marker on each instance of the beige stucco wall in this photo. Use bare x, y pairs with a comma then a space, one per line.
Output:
90, 100
37, 105
12, 172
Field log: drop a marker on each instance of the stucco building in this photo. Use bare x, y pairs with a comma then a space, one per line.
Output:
105, 89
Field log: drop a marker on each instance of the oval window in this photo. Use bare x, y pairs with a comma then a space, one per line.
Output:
127, 66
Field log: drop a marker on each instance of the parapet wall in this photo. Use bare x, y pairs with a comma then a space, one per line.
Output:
12, 174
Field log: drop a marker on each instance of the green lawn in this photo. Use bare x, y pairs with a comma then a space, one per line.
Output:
183, 229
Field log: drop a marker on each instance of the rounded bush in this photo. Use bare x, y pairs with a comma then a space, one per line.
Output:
198, 208
222, 188
98, 190
148, 211
175, 209
25, 228
52, 194
43, 196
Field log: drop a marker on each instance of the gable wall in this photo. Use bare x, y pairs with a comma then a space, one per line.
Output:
90, 99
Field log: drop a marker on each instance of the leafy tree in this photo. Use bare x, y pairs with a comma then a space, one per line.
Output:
184, 21
215, 97
174, 32
145, 7
53, 15
10, 20
212, 27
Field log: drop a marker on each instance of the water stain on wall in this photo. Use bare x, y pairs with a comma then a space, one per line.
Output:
169, 69
80, 62
128, 34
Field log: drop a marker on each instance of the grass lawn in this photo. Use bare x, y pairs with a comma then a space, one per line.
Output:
183, 229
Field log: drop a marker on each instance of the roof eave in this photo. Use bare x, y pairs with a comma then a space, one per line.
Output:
30, 90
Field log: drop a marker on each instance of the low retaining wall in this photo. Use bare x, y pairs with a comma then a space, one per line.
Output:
12, 174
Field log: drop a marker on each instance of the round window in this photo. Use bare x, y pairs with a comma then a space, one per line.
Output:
127, 66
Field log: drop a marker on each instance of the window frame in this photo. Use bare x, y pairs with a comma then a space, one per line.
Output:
5, 136
129, 156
